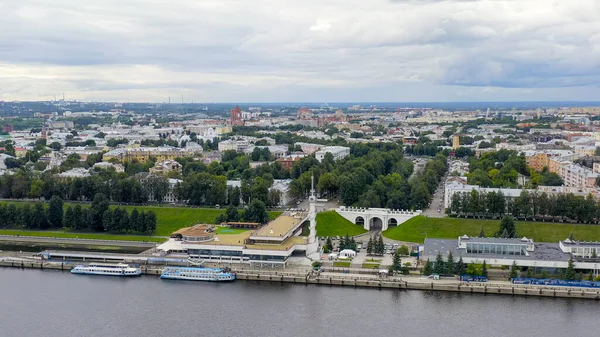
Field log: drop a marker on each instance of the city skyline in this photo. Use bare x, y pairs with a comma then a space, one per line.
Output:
309, 51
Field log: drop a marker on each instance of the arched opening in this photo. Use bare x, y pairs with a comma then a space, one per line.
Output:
392, 222
360, 221
376, 224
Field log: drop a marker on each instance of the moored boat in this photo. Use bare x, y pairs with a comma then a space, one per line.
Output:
197, 274
120, 269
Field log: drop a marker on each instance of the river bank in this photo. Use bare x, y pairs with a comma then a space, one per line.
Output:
362, 281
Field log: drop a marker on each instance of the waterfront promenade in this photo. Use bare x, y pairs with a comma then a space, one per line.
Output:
305, 276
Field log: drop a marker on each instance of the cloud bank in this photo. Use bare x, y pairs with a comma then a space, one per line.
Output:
292, 50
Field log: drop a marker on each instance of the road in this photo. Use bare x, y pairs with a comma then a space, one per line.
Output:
87, 242
437, 201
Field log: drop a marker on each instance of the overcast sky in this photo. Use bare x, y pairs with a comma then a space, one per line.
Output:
300, 50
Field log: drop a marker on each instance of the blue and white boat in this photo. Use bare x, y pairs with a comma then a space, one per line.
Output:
120, 269
197, 274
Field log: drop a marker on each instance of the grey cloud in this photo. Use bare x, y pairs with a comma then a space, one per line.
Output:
266, 45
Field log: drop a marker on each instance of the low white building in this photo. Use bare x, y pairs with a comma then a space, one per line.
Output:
77, 172
347, 253
338, 152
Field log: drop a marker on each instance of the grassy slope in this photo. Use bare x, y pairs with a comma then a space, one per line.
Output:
170, 219
95, 236
415, 229
332, 224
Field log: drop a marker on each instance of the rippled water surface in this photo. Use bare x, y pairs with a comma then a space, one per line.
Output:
52, 303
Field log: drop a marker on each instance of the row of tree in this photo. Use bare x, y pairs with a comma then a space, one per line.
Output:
528, 206
451, 267
255, 212
375, 245
98, 217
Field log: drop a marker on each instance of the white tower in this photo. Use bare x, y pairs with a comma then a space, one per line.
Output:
312, 246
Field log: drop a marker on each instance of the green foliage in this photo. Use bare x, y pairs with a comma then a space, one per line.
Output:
570, 274
396, 262
55, 212
460, 267
332, 224
347, 242
403, 250
428, 269
439, 266
329, 244
450, 266
256, 212
514, 269
484, 271
507, 228
497, 169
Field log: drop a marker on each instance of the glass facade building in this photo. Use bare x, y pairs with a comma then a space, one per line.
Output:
496, 248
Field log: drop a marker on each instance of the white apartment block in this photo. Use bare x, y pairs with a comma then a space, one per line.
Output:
338, 152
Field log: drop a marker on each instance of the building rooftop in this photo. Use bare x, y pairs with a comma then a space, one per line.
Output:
196, 230
543, 251
281, 226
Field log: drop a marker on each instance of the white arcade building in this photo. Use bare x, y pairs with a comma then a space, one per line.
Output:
376, 218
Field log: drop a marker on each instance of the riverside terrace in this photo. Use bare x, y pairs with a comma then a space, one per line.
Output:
270, 245
503, 252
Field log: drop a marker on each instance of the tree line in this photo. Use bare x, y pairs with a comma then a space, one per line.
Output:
451, 267
97, 218
527, 206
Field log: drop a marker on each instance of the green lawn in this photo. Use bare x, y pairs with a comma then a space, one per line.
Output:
341, 264
332, 224
370, 265
170, 219
225, 230
417, 228
372, 260
95, 236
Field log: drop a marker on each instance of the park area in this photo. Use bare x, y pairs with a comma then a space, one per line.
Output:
168, 220
420, 227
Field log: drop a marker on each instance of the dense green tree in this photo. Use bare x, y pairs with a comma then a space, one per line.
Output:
570, 274
55, 212
439, 266
232, 214
450, 266
460, 268
80, 218
150, 226
233, 195
134, 220
39, 219
403, 250
99, 206
507, 228
484, 271
514, 269
329, 244
256, 212
69, 220
428, 269
396, 262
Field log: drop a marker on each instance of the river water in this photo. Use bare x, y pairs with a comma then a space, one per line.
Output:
54, 303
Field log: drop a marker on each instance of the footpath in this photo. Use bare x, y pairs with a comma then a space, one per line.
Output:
305, 276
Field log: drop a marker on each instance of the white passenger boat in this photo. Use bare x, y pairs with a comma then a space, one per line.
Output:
120, 269
197, 274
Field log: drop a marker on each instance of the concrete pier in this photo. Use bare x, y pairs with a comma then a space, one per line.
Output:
409, 283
